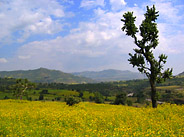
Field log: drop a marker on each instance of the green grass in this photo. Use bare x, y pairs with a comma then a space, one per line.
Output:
169, 87
34, 94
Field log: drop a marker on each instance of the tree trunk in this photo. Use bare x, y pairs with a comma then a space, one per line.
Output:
153, 94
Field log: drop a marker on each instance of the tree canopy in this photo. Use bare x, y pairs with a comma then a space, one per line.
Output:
21, 86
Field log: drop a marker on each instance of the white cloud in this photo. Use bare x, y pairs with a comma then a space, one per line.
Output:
24, 57
26, 18
95, 44
91, 3
168, 12
92, 45
172, 44
3, 60
117, 4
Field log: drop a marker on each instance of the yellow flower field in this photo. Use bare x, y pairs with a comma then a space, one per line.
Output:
55, 119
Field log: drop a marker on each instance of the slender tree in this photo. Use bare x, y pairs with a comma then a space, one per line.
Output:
143, 57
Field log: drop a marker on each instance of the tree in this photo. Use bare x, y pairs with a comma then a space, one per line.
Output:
141, 97
41, 97
143, 57
71, 100
121, 99
129, 102
44, 91
21, 86
98, 97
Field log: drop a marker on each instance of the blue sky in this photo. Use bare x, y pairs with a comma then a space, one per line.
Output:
80, 35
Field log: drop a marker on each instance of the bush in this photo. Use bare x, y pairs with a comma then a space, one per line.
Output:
98, 98
129, 102
120, 99
41, 97
179, 101
141, 97
29, 98
44, 91
6, 97
58, 98
72, 100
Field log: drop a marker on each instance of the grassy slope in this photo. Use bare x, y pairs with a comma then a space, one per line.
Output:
24, 118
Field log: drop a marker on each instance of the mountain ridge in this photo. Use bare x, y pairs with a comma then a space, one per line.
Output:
43, 75
110, 75
181, 74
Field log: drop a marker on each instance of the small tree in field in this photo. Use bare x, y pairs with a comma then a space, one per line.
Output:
71, 100
121, 99
98, 98
143, 58
21, 86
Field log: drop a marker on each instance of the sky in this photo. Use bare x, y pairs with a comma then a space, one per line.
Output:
83, 35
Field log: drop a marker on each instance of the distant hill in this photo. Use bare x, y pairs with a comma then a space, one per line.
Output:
110, 75
181, 74
46, 76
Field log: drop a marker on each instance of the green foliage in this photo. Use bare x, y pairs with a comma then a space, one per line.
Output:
129, 26
29, 98
44, 91
71, 100
121, 99
58, 98
129, 102
86, 96
41, 97
144, 53
179, 101
21, 87
141, 97
98, 97
170, 91
5, 84
6, 97
143, 57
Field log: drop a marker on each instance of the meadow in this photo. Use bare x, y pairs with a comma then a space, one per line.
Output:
46, 119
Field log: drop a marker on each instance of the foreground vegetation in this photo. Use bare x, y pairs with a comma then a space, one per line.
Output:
35, 118
171, 91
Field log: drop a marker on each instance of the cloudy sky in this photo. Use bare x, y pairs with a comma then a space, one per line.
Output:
79, 35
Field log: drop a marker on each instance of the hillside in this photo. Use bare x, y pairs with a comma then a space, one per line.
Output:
181, 74
46, 76
110, 75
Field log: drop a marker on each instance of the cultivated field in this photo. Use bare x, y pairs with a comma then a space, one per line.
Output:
39, 119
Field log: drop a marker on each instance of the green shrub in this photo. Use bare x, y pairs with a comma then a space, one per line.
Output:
6, 97
58, 98
29, 98
129, 102
44, 91
72, 100
121, 99
98, 98
41, 97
